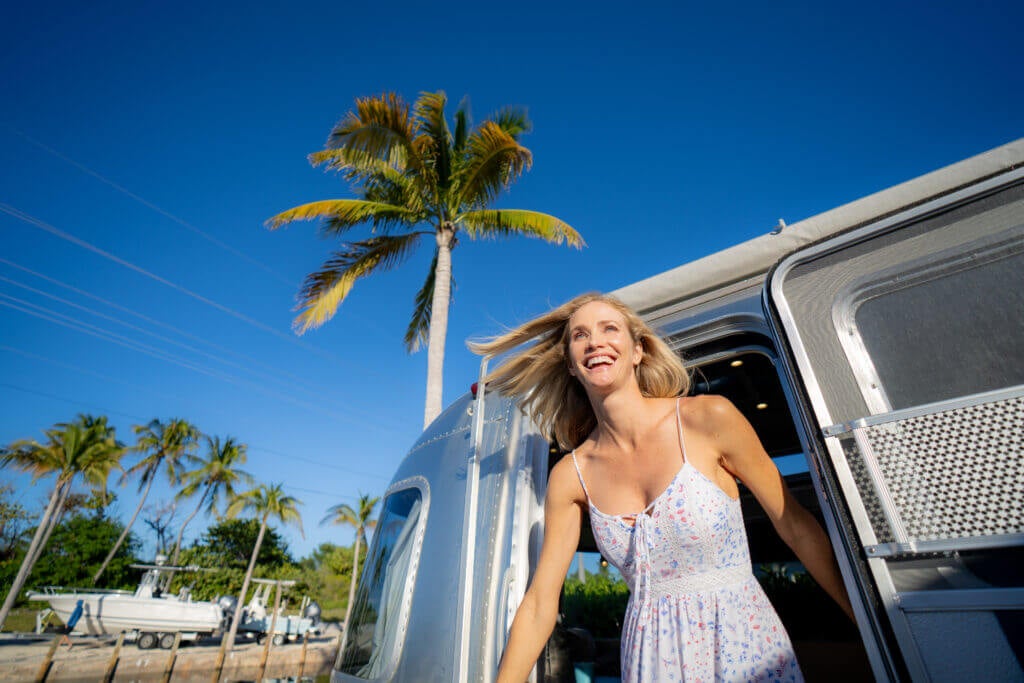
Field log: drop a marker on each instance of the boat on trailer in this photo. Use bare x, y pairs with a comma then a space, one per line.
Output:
148, 615
259, 620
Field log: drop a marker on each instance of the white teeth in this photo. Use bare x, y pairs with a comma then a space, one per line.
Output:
597, 360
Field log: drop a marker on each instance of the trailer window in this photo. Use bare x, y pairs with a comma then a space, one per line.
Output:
939, 329
384, 596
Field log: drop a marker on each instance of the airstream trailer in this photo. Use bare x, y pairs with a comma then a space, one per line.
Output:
878, 343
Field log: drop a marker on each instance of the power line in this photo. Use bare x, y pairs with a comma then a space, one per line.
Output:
70, 400
158, 323
46, 227
67, 321
150, 205
160, 337
250, 447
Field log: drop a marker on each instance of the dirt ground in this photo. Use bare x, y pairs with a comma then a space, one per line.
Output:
22, 657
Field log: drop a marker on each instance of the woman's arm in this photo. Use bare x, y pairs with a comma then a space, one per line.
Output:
743, 456
536, 616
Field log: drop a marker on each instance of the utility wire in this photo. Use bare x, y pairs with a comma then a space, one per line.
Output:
150, 205
46, 227
149, 333
162, 325
67, 321
250, 447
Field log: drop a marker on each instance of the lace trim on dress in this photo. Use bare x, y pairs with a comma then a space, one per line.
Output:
703, 581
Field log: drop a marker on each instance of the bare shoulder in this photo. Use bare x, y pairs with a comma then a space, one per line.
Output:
563, 482
711, 414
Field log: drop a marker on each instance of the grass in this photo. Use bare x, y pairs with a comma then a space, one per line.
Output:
21, 620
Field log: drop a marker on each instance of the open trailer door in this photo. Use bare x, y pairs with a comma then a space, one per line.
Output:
906, 340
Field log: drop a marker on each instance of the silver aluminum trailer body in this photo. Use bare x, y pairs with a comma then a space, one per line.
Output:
894, 326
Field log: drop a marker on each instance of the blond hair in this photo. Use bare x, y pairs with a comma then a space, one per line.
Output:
538, 375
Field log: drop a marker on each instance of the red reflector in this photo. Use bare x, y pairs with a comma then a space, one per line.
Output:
473, 389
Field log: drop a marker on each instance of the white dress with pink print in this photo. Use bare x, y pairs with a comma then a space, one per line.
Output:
695, 612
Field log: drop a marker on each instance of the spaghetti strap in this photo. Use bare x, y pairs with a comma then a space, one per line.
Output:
580, 475
679, 426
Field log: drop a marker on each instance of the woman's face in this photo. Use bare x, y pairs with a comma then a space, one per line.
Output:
602, 352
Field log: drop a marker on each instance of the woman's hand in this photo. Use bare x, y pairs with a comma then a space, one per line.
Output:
536, 616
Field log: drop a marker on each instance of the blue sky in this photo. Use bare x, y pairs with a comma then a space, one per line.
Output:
142, 147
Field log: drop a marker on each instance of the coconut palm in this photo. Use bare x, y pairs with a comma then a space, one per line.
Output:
266, 502
86, 447
169, 446
216, 477
360, 519
417, 179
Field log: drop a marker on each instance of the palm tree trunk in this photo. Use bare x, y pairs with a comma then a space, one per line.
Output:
181, 532
438, 323
127, 528
352, 589
33, 551
55, 520
229, 641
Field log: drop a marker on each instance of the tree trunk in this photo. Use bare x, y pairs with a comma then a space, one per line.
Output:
127, 528
181, 534
438, 323
26, 564
229, 641
55, 520
351, 590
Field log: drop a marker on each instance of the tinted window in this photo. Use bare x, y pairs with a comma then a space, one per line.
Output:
383, 597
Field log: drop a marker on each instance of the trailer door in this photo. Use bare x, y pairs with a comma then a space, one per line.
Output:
906, 338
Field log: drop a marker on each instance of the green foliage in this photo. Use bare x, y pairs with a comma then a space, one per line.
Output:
596, 604
225, 548
807, 612
327, 571
14, 521
77, 548
230, 542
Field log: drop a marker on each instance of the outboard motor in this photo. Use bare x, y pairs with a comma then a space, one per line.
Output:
312, 612
227, 604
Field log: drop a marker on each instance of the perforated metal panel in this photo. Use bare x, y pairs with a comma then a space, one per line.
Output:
950, 474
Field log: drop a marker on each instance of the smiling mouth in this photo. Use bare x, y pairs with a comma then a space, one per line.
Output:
599, 360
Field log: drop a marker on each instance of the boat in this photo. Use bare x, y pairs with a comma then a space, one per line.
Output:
258, 618
148, 615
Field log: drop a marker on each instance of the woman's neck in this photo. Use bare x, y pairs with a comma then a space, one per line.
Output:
622, 419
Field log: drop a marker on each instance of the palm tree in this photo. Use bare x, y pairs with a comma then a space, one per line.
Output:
266, 502
85, 447
216, 477
360, 519
416, 178
169, 445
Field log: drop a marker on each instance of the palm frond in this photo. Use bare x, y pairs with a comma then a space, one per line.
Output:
463, 120
512, 120
493, 160
343, 214
380, 127
353, 163
516, 222
429, 111
325, 289
418, 331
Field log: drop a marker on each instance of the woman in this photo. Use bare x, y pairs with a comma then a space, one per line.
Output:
657, 474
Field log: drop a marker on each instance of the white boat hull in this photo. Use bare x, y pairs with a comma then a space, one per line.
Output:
105, 613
